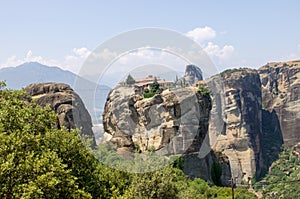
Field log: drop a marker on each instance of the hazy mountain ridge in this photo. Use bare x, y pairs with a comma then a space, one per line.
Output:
33, 72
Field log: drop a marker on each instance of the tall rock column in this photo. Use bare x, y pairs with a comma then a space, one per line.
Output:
281, 95
235, 122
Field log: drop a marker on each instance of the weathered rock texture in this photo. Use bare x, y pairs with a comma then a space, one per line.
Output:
66, 103
253, 113
281, 95
235, 123
172, 122
193, 74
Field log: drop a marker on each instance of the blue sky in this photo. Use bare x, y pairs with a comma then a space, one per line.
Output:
234, 33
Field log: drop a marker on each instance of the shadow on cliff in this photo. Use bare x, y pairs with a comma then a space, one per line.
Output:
272, 139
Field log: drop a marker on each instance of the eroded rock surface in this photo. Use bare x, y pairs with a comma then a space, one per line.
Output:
66, 103
235, 123
168, 122
173, 122
281, 94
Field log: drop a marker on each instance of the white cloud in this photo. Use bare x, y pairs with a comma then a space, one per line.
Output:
81, 52
29, 57
214, 50
106, 54
74, 61
202, 34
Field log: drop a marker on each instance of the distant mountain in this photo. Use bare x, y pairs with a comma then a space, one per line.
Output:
33, 72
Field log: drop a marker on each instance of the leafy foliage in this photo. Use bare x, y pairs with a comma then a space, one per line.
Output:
2, 84
149, 95
32, 165
283, 179
39, 161
204, 90
158, 184
154, 86
154, 89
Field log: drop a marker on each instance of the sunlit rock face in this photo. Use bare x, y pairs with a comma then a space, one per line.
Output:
235, 122
71, 111
173, 122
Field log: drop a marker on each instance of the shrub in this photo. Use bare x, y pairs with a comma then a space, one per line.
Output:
149, 95
204, 90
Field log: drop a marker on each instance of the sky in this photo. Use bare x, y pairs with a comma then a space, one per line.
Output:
232, 33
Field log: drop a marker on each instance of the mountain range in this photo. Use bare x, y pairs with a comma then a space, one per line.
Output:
33, 72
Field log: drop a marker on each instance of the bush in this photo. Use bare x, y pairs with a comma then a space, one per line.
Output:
204, 90
149, 95
216, 172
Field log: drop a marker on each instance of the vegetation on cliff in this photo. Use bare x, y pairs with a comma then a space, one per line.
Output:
283, 179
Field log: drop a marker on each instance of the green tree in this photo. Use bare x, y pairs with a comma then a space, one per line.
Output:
2, 84
157, 184
204, 89
216, 173
130, 80
37, 160
154, 86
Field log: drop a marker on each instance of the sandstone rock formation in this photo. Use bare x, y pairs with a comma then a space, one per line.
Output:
235, 123
173, 122
66, 103
193, 74
155, 122
253, 112
281, 95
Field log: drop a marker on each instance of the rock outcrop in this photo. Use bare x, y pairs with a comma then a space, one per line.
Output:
66, 103
173, 122
235, 123
192, 74
281, 95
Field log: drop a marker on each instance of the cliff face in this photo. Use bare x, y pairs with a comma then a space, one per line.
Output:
66, 103
281, 95
235, 123
253, 112
173, 122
